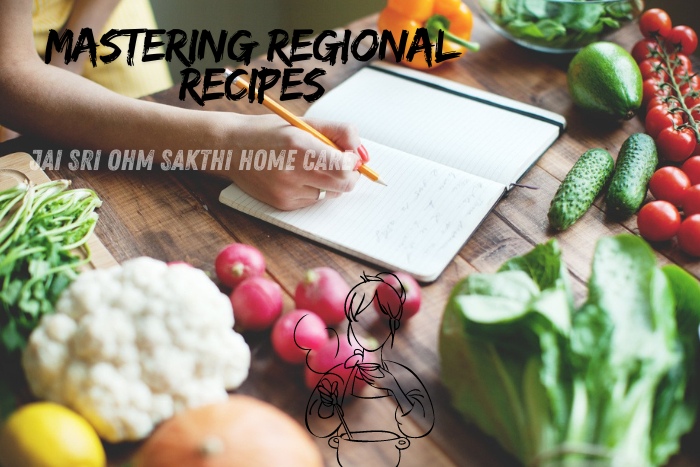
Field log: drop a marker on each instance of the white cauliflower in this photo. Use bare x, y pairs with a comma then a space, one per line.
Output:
130, 346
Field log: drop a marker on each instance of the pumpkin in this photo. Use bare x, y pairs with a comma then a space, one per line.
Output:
239, 432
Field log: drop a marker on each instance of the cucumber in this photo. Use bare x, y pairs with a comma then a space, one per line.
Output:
580, 187
635, 166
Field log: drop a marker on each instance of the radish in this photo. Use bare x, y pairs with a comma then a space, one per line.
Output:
323, 291
332, 354
257, 303
237, 262
297, 332
389, 290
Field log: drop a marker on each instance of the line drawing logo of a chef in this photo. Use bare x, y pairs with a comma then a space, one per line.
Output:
365, 382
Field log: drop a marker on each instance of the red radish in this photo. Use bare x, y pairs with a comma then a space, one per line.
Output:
323, 291
297, 332
237, 262
257, 303
332, 356
389, 291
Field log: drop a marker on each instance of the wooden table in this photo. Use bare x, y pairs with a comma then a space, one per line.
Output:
176, 216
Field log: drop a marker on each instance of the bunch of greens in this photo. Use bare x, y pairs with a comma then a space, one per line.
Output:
560, 24
611, 383
43, 233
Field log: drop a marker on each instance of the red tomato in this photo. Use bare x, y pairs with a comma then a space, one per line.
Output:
682, 39
651, 88
651, 69
690, 84
658, 221
655, 22
691, 167
664, 101
669, 184
676, 145
659, 118
693, 103
642, 49
691, 201
689, 235
683, 65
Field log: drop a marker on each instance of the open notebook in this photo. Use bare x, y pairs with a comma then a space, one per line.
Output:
442, 149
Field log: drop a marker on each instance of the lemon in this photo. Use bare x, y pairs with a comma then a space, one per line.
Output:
44, 434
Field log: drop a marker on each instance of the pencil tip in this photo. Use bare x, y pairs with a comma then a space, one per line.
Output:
381, 182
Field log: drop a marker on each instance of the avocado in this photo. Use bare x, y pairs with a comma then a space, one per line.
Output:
604, 78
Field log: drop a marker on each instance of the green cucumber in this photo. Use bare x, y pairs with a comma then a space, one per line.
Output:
580, 188
635, 166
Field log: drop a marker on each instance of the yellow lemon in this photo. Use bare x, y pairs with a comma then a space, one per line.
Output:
44, 434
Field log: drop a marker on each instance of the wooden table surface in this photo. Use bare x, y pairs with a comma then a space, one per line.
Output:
176, 216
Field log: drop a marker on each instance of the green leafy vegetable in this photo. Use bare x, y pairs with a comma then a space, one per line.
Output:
43, 233
562, 25
614, 382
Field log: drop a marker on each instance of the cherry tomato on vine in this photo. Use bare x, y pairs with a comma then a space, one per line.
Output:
691, 167
655, 22
651, 88
669, 184
676, 144
658, 118
642, 49
651, 69
691, 201
682, 39
658, 221
689, 235
663, 101
683, 66
692, 84
693, 103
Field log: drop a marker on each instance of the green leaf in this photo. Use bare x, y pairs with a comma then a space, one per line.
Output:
8, 401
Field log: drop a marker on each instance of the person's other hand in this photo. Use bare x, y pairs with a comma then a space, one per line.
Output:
288, 185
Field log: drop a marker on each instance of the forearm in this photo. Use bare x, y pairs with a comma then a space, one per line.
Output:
72, 111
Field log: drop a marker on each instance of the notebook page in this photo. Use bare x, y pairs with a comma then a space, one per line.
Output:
463, 133
416, 224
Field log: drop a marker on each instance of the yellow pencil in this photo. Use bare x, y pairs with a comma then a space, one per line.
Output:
302, 125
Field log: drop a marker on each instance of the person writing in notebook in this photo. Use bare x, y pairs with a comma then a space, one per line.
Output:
59, 104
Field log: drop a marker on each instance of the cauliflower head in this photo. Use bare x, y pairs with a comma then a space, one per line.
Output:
132, 345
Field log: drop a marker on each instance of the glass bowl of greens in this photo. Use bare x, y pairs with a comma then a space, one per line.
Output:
559, 26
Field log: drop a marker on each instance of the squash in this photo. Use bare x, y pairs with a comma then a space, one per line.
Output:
239, 432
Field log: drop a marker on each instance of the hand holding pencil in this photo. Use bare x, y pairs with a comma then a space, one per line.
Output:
299, 123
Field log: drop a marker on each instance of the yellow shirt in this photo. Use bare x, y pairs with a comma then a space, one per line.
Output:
134, 81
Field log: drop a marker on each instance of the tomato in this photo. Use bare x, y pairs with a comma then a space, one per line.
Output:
690, 84
658, 221
655, 22
664, 101
682, 39
682, 65
659, 118
689, 235
676, 145
691, 201
651, 69
693, 103
691, 167
669, 184
642, 49
651, 88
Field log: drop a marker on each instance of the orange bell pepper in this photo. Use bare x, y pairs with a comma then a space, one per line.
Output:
453, 17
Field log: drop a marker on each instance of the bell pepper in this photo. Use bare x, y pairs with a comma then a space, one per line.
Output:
453, 17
